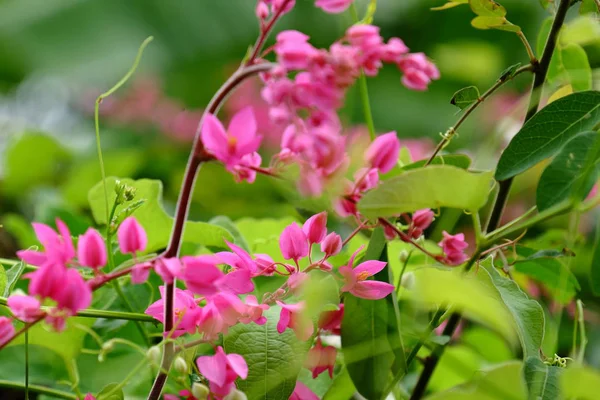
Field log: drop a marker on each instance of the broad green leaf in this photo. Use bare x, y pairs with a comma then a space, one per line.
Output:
342, 387
465, 97
542, 379
450, 4
583, 31
320, 293
274, 360
12, 276
262, 235
569, 171
32, 159
432, 187
595, 267
579, 382
153, 217
435, 287
457, 366
487, 343
3, 281
111, 392
509, 72
527, 314
544, 134
370, 338
588, 7
458, 160
229, 225
502, 381
487, 8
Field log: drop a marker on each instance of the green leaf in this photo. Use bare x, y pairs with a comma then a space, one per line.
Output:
450, 4
12, 277
32, 159
572, 173
432, 187
435, 287
579, 382
370, 337
229, 225
320, 293
3, 281
509, 72
111, 392
570, 66
544, 134
595, 267
588, 7
502, 381
542, 380
342, 387
465, 97
274, 359
499, 23
487, 8
527, 314
153, 217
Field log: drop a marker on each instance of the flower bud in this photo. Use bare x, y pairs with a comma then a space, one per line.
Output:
408, 280
132, 236
262, 10
91, 250
153, 355
200, 391
108, 346
180, 365
383, 152
403, 256
235, 395
315, 228
293, 242
331, 245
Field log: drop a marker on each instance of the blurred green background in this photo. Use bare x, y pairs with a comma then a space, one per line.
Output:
56, 56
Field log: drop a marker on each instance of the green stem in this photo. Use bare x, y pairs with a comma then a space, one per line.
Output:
583, 338
39, 389
93, 313
364, 89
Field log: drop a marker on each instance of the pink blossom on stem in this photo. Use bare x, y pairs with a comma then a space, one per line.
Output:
422, 218
168, 268
58, 247
453, 247
418, 71
282, 6
331, 245
185, 311
265, 264
25, 308
383, 152
222, 370
293, 50
302, 392
89, 396
132, 236
292, 317
91, 250
75, 294
231, 145
321, 358
254, 311
7, 330
140, 273
293, 243
333, 6
202, 276
47, 281
355, 279
315, 228
262, 10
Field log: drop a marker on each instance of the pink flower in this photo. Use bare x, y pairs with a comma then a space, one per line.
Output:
185, 311
422, 218
293, 243
47, 281
418, 71
202, 276
393, 50
246, 169
58, 247
7, 330
383, 152
254, 311
356, 279
332, 320
222, 370
238, 259
25, 308
132, 236
75, 294
89, 396
168, 269
220, 312
262, 10
140, 273
415, 79
321, 358
91, 250
302, 392
265, 264
283, 6
293, 50
315, 228
331, 245
453, 247
292, 317
364, 36
231, 145
333, 6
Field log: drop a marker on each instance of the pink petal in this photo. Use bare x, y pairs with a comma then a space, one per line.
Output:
238, 281
371, 266
213, 368
284, 318
349, 278
372, 290
214, 136
243, 125
238, 365
244, 256
32, 257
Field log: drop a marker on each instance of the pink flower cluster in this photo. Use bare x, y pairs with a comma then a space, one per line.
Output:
265, 8
57, 279
454, 247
